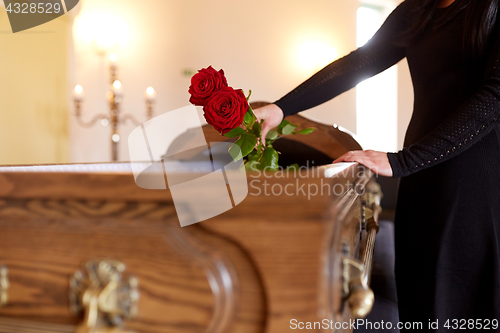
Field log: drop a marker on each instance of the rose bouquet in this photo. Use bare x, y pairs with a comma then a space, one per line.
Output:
229, 112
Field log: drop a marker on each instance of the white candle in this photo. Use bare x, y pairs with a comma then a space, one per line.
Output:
117, 88
113, 57
150, 94
78, 93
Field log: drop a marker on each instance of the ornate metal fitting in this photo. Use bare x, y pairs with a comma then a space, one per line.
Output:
105, 298
366, 214
4, 285
359, 296
370, 206
373, 194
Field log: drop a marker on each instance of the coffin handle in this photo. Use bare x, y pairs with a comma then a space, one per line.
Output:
4, 285
359, 296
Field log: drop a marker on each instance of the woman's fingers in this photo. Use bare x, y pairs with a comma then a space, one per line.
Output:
272, 116
266, 127
376, 161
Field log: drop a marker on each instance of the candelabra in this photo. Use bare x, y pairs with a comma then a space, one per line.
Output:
114, 118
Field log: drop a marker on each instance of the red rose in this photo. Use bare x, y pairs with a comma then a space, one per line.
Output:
206, 82
226, 109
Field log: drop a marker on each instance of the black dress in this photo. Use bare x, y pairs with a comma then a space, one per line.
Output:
448, 212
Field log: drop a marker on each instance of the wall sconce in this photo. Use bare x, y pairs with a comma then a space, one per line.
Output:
314, 55
101, 31
114, 118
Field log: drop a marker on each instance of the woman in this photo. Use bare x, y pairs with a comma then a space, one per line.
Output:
448, 213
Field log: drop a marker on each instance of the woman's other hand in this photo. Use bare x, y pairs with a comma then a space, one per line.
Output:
272, 116
376, 161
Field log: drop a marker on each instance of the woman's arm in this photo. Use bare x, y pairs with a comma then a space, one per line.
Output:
467, 125
380, 53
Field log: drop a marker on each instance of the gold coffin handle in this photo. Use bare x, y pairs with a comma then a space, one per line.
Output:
4, 285
360, 297
104, 296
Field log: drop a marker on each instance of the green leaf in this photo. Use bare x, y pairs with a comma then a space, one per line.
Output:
272, 135
257, 130
292, 167
269, 160
251, 110
286, 127
235, 132
249, 94
254, 156
306, 131
249, 118
251, 166
279, 128
246, 142
259, 148
235, 151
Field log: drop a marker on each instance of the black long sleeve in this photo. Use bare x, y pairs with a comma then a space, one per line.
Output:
464, 126
467, 125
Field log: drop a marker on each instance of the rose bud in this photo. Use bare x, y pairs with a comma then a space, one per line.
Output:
226, 109
204, 83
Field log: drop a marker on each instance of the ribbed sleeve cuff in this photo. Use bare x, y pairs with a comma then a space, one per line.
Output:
397, 165
287, 109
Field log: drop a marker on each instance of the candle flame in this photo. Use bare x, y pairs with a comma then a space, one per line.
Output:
150, 91
78, 89
117, 84
113, 57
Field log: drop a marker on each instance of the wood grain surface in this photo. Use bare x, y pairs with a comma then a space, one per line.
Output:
249, 270
273, 243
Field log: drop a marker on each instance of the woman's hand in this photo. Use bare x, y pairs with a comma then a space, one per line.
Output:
272, 115
376, 161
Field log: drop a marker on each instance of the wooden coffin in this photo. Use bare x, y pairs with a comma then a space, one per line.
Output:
84, 249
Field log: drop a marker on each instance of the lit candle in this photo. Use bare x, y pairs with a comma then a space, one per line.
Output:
78, 93
117, 88
150, 94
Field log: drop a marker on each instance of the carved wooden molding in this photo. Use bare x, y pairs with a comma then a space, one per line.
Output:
231, 275
88, 209
22, 326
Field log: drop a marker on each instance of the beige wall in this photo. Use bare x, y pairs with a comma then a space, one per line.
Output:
33, 93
